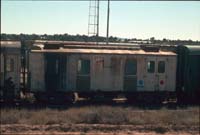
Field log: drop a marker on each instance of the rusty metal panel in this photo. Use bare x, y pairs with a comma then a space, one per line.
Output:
117, 72
97, 72
113, 73
71, 72
156, 81
107, 73
171, 73
104, 51
141, 69
36, 67
107, 69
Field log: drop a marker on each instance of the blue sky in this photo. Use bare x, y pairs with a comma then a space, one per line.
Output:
128, 19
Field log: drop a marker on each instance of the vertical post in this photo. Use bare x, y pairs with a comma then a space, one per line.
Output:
28, 73
108, 13
5, 74
97, 18
97, 21
5, 68
23, 65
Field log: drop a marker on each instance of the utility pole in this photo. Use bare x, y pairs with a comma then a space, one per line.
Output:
108, 14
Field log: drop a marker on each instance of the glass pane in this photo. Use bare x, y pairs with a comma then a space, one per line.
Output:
161, 67
131, 67
151, 66
84, 67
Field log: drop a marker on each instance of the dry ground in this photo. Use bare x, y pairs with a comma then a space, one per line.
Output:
101, 120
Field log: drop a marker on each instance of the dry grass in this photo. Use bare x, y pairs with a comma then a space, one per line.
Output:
101, 115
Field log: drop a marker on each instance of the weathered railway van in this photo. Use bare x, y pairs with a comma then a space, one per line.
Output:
10, 69
188, 73
57, 71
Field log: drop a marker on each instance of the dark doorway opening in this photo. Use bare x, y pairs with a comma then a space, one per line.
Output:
55, 72
83, 75
130, 75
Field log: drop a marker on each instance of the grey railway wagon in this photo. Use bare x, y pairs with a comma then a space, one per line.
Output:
96, 68
10, 68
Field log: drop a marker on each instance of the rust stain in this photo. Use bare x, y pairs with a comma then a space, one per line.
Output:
104, 51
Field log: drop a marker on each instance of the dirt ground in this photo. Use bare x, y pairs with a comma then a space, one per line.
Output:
97, 129
100, 120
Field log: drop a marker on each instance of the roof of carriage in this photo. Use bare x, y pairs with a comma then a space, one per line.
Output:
103, 51
193, 49
96, 48
10, 44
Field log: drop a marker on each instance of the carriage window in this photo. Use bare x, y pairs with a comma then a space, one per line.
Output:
84, 67
161, 67
10, 65
131, 67
151, 66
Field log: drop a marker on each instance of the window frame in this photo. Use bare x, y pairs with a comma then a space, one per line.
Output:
149, 66
133, 72
79, 68
160, 66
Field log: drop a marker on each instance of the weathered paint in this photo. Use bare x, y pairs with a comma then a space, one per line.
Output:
11, 50
107, 70
152, 80
36, 68
103, 51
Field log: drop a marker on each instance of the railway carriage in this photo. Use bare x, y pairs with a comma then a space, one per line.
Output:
57, 71
10, 69
60, 71
188, 73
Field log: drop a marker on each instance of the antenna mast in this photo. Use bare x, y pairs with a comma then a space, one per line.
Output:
93, 19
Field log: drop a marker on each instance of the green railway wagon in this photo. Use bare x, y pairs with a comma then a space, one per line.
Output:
188, 73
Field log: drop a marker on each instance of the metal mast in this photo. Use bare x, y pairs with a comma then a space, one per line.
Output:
108, 14
93, 19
